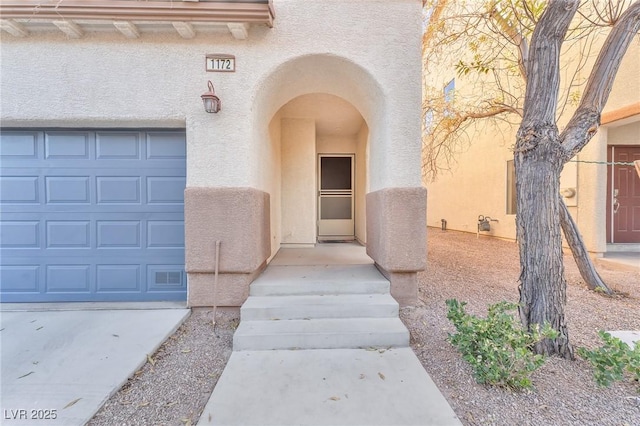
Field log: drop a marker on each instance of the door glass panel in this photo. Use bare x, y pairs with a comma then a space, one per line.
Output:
335, 208
335, 173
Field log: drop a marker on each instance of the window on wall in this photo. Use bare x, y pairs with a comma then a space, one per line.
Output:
428, 120
449, 91
511, 188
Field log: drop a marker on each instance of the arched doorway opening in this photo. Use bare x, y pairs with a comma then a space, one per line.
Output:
323, 143
311, 105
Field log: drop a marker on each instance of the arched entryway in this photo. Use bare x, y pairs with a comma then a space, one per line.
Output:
295, 108
323, 170
392, 213
311, 105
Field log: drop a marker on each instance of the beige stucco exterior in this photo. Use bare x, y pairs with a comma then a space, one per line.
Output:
477, 183
298, 181
251, 168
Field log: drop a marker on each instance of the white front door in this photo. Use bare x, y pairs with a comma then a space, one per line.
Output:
335, 197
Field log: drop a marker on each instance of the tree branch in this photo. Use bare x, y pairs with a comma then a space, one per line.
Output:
516, 37
544, 61
448, 138
592, 279
436, 13
586, 120
487, 113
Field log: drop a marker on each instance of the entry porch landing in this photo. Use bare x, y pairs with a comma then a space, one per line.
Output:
334, 254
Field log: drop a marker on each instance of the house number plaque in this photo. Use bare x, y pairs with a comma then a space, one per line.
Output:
221, 63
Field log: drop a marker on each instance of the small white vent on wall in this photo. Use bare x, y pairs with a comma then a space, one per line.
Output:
168, 278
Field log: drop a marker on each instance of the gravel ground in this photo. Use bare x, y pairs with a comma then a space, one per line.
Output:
485, 271
174, 389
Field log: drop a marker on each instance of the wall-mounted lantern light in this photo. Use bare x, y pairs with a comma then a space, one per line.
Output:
211, 102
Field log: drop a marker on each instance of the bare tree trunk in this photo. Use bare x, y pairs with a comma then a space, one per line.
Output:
539, 158
580, 255
538, 162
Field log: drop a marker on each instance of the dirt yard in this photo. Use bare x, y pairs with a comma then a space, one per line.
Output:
485, 271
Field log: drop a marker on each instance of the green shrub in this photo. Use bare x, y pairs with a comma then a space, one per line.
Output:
611, 360
497, 347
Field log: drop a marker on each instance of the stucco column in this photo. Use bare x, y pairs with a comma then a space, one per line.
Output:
591, 214
397, 238
237, 217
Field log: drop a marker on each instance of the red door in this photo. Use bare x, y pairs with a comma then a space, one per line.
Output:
623, 196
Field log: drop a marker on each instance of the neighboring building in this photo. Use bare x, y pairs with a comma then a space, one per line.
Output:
482, 181
113, 173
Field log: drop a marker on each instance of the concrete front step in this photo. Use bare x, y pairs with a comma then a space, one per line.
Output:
319, 280
321, 334
328, 306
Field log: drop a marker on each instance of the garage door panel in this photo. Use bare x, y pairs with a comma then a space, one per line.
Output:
118, 277
115, 274
19, 278
18, 145
101, 218
118, 189
162, 146
121, 146
95, 211
68, 234
20, 234
165, 234
19, 189
165, 190
118, 234
68, 189
62, 145
68, 278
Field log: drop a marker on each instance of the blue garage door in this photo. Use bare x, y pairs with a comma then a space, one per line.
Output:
92, 216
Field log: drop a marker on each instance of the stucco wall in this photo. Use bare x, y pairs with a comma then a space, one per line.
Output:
628, 134
476, 185
590, 215
626, 87
326, 144
298, 181
362, 188
106, 80
389, 105
274, 185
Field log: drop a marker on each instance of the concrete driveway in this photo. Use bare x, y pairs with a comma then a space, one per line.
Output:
59, 366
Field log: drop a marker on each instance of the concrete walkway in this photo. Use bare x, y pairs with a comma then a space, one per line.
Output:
326, 387
628, 260
59, 366
346, 386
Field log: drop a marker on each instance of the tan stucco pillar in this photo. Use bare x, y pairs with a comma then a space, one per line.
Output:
397, 238
237, 217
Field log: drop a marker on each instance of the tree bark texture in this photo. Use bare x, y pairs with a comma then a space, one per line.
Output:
539, 158
569, 227
542, 283
587, 270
